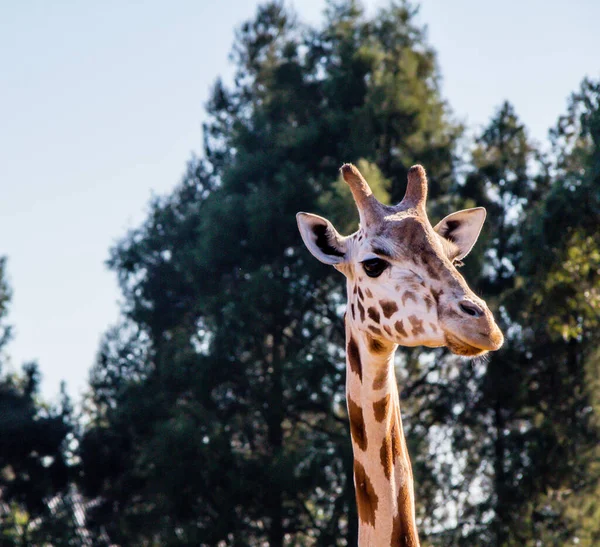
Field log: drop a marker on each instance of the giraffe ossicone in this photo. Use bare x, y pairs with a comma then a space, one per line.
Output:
403, 289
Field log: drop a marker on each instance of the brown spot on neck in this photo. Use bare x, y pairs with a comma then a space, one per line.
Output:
357, 424
380, 408
375, 345
397, 436
368, 293
404, 533
354, 357
366, 497
388, 307
380, 378
386, 457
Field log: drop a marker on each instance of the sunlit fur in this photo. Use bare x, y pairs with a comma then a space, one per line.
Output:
424, 284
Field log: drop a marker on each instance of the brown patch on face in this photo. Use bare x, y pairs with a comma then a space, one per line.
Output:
413, 233
373, 314
428, 302
369, 293
355, 289
353, 312
387, 330
361, 310
380, 408
408, 295
436, 295
452, 311
380, 379
357, 424
417, 325
388, 307
410, 229
432, 272
399, 326
360, 294
433, 327
354, 358
366, 497
385, 454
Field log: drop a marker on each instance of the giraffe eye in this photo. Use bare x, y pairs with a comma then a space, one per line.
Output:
374, 267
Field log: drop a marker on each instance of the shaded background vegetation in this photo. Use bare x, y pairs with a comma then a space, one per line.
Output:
216, 415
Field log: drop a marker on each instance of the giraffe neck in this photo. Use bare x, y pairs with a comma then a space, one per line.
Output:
382, 472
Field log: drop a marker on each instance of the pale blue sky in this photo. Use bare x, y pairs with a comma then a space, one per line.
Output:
101, 105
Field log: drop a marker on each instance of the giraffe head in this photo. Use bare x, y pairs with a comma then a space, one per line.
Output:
403, 285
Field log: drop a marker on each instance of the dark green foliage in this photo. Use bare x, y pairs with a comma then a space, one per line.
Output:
562, 318
217, 407
216, 415
34, 466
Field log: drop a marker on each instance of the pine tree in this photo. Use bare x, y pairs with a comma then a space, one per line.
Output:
217, 409
562, 324
34, 468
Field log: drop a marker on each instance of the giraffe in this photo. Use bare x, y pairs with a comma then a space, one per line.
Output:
403, 289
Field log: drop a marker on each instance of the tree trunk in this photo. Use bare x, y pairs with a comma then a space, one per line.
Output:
275, 436
500, 478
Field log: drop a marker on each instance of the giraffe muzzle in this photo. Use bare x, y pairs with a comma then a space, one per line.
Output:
470, 329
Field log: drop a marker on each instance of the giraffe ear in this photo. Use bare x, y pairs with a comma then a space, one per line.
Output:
321, 238
462, 228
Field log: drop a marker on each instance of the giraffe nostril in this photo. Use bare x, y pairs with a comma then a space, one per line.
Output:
470, 308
